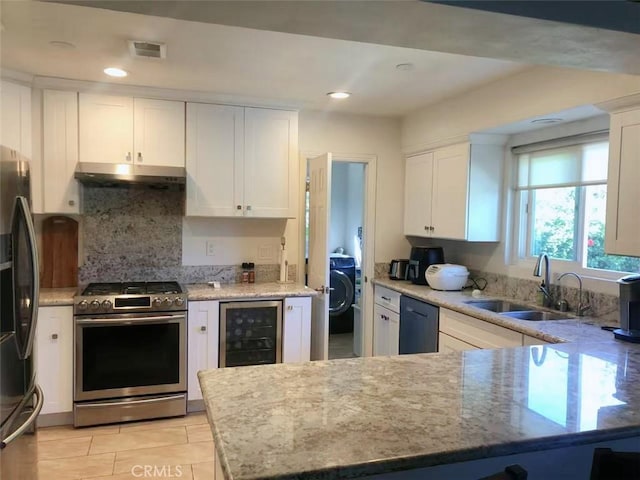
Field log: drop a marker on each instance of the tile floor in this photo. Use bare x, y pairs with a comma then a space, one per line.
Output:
177, 448
341, 346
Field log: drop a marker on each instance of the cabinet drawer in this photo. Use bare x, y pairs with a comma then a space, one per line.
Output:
477, 332
447, 343
388, 298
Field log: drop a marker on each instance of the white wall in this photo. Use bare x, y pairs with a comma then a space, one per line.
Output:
347, 205
345, 134
533, 92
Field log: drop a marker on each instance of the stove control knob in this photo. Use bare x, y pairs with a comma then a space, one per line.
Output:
83, 305
167, 302
156, 302
107, 304
179, 302
94, 305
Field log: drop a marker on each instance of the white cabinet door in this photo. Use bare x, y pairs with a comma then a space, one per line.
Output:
60, 152
380, 331
54, 358
215, 160
158, 127
386, 331
270, 163
202, 343
417, 195
393, 334
450, 192
16, 117
296, 331
447, 343
106, 128
623, 194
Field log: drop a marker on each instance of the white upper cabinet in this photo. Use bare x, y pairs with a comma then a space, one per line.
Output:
215, 146
623, 194
158, 127
417, 194
16, 117
126, 130
241, 162
270, 157
106, 128
455, 192
60, 151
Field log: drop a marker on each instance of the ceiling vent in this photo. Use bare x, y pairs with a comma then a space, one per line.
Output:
142, 49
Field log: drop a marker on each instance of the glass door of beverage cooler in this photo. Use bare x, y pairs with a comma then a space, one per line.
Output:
250, 333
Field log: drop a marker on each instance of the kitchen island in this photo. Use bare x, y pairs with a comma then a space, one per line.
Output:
375, 416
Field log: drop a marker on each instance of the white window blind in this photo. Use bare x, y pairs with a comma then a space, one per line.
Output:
574, 165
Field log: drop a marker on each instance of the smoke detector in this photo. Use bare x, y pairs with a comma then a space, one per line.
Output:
142, 49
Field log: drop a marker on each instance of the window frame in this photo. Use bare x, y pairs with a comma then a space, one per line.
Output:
522, 231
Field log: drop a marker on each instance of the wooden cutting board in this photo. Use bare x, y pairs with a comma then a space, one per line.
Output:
59, 253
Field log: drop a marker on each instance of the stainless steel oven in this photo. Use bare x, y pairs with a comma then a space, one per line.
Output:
250, 333
130, 358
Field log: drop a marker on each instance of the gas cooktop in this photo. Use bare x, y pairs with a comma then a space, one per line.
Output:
132, 288
130, 297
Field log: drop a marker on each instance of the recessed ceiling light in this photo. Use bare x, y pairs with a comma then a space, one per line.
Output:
544, 121
61, 44
405, 67
339, 95
115, 72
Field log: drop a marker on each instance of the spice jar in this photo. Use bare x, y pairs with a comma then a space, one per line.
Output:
252, 273
245, 272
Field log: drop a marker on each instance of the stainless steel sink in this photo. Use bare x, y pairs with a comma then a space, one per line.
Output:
535, 315
498, 306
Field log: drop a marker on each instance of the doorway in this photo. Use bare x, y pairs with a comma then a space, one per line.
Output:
349, 250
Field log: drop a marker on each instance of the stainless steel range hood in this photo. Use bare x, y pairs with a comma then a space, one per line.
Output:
118, 174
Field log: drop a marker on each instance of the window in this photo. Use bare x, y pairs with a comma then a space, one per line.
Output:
562, 191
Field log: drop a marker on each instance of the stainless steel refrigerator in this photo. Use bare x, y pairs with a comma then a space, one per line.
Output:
20, 398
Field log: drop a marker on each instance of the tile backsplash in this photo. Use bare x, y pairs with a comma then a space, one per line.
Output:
135, 234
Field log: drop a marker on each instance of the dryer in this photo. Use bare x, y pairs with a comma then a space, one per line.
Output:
342, 295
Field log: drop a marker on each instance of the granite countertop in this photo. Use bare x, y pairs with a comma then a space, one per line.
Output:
373, 415
202, 291
50, 297
575, 329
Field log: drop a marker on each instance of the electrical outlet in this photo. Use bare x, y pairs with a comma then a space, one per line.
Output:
211, 248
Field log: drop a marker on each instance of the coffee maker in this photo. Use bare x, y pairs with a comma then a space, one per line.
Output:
421, 259
629, 330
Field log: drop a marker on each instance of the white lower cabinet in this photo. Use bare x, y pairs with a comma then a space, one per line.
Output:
477, 332
53, 352
296, 330
528, 340
386, 331
447, 343
202, 342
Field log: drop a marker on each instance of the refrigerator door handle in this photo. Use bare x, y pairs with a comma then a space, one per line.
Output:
22, 206
32, 418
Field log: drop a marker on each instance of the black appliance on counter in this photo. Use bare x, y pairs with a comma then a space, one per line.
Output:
629, 330
422, 258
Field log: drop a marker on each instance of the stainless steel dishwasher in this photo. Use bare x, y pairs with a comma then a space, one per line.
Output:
418, 326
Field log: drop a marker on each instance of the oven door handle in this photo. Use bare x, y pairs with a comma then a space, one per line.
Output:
128, 321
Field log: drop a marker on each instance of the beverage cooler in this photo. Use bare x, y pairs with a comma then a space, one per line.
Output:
250, 333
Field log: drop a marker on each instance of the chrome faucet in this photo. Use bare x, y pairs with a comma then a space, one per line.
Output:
582, 307
544, 286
